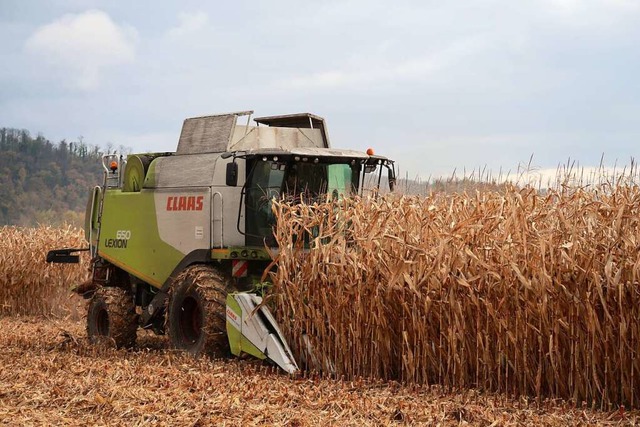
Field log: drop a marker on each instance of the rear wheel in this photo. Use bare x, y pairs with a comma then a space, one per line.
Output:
112, 318
197, 319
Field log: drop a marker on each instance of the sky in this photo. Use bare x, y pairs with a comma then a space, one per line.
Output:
438, 86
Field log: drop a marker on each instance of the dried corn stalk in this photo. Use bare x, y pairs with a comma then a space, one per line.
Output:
28, 285
512, 291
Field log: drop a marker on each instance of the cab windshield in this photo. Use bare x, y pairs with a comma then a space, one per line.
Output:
293, 181
311, 182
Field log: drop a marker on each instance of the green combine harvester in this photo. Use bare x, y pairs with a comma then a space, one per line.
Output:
179, 241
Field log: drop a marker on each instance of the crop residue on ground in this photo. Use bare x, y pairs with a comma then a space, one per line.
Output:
51, 376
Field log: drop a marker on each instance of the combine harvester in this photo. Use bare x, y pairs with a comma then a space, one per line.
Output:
181, 240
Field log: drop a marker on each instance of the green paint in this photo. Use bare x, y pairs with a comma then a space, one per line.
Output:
234, 335
91, 215
129, 237
133, 174
339, 180
237, 342
150, 179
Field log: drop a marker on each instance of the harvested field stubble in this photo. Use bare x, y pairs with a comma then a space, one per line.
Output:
511, 291
56, 378
28, 285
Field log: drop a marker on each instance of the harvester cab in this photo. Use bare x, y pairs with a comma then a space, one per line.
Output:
182, 239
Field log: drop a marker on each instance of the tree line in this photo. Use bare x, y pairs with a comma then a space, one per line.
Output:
42, 182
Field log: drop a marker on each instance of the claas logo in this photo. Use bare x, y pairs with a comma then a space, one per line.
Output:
185, 203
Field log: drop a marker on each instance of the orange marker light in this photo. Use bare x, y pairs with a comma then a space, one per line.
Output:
369, 151
113, 166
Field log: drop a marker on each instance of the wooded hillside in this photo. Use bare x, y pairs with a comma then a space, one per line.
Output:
45, 182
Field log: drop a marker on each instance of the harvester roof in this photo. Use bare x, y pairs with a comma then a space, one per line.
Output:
220, 133
311, 153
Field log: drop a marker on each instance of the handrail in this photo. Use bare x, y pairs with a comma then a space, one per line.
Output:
213, 213
93, 249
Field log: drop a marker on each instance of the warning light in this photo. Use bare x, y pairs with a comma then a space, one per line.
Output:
113, 166
369, 151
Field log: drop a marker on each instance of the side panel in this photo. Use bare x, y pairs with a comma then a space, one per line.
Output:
184, 217
131, 240
192, 173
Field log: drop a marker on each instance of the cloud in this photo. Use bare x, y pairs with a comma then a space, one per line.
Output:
592, 13
469, 83
189, 23
83, 44
600, 5
364, 71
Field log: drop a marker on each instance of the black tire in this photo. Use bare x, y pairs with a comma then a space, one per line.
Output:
197, 318
112, 318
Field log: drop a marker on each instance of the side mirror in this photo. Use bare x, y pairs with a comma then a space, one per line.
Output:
392, 178
232, 174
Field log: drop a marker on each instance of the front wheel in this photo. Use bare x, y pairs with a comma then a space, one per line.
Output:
197, 319
112, 318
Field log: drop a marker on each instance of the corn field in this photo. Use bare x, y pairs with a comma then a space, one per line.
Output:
507, 290
28, 285
514, 291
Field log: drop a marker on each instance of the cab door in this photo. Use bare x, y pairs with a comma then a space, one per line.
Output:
264, 184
